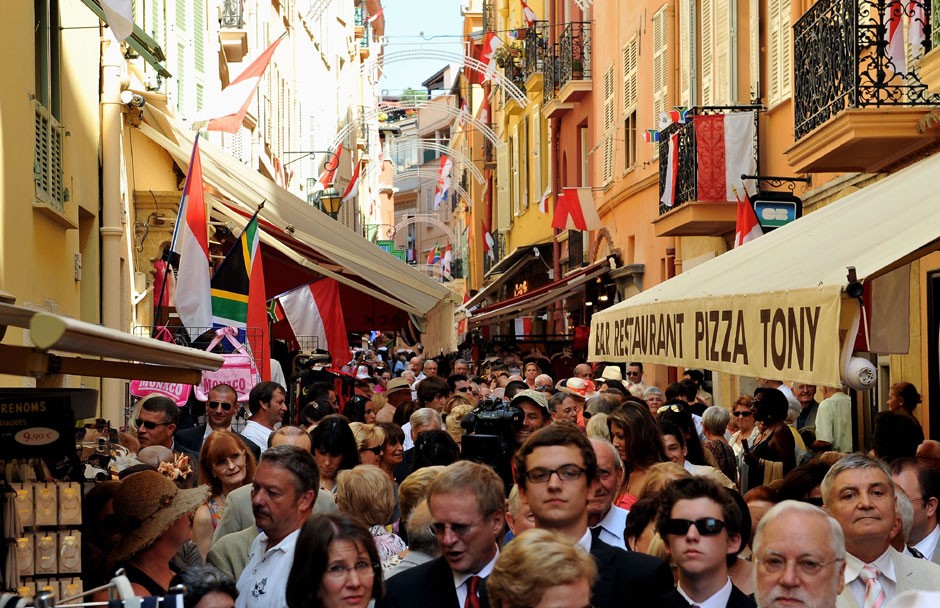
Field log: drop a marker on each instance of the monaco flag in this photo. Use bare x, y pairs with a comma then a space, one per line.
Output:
315, 310
672, 172
491, 42
747, 227
528, 14
724, 151
443, 181
229, 109
353, 188
489, 244
191, 242
894, 36
575, 210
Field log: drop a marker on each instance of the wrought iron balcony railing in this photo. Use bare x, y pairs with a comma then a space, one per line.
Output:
550, 74
843, 59
489, 150
574, 52
514, 67
535, 47
233, 16
687, 188
489, 15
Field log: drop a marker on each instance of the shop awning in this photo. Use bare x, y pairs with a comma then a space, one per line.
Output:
773, 307
343, 254
540, 297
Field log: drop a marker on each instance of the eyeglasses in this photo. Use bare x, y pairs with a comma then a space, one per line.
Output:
464, 389
633, 373
543, 387
568, 472
341, 573
745, 414
377, 450
807, 565
707, 526
440, 529
214, 405
149, 424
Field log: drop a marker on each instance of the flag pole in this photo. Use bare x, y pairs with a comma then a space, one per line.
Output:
169, 258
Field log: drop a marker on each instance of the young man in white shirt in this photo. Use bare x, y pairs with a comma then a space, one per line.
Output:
700, 524
267, 403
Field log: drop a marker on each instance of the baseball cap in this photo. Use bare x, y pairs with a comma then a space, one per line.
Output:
534, 396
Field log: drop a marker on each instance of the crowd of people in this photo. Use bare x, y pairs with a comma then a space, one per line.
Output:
619, 494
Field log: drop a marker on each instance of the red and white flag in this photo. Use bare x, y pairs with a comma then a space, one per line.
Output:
724, 152
443, 181
446, 260
747, 228
191, 242
491, 42
894, 36
229, 110
489, 245
672, 171
464, 114
916, 34
315, 310
543, 202
328, 176
575, 210
528, 14
353, 188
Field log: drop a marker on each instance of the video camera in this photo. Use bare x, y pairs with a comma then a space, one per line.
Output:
491, 435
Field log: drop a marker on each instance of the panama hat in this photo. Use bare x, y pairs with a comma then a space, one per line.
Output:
397, 384
147, 503
612, 372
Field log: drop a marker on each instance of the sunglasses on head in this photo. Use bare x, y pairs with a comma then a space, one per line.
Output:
214, 405
745, 414
707, 526
149, 424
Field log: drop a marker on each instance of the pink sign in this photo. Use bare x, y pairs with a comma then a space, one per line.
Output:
239, 371
179, 393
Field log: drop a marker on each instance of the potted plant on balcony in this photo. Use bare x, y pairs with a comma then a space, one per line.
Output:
507, 53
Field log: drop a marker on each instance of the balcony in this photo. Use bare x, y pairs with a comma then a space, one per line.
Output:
856, 107
232, 31
574, 61
489, 151
694, 213
535, 50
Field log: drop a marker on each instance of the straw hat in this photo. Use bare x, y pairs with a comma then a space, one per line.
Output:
397, 384
147, 503
612, 372
579, 387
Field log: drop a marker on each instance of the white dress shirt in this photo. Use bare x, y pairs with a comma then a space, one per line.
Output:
928, 545
612, 526
263, 582
461, 580
719, 600
887, 578
257, 434
585, 541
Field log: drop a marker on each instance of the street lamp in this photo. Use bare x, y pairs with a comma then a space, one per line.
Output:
329, 201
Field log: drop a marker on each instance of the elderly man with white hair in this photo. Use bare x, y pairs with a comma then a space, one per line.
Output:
800, 555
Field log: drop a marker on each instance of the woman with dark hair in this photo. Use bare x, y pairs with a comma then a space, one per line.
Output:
392, 448
639, 442
803, 484
335, 564
334, 447
773, 455
224, 464
903, 398
679, 414
359, 409
206, 587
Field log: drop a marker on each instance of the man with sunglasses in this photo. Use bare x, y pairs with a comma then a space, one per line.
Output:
156, 422
700, 524
467, 505
220, 410
556, 470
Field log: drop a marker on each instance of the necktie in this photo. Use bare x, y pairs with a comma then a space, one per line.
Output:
916, 553
473, 600
874, 593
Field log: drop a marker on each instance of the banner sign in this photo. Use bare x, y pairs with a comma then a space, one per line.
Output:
36, 424
791, 335
179, 393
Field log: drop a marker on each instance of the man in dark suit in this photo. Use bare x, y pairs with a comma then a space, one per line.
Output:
555, 469
700, 524
220, 409
466, 502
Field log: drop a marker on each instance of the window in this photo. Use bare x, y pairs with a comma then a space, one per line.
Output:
503, 202
660, 60
609, 122
718, 37
516, 193
778, 50
47, 144
535, 152
629, 144
687, 55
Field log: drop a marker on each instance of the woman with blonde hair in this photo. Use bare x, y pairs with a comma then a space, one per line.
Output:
224, 464
659, 475
597, 428
366, 492
452, 422
370, 439
539, 564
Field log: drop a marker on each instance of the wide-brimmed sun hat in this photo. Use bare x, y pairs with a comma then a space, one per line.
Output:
146, 504
578, 387
397, 384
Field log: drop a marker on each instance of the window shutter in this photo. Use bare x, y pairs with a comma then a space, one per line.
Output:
609, 115
47, 159
536, 151
723, 93
660, 83
786, 49
515, 191
200, 40
708, 52
525, 153
773, 50
754, 49
630, 75
686, 55
502, 189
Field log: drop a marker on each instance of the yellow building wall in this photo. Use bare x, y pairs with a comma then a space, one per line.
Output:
37, 254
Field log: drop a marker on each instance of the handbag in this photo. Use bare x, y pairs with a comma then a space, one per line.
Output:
179, 393
238, 370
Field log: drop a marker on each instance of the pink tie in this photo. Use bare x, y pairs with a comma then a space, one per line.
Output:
874, 593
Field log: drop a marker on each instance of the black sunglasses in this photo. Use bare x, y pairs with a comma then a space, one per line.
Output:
149, 424
707, 526
214, 405
377, 450
745, 414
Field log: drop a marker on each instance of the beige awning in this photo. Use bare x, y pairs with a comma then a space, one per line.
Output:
371, 267
773, 307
